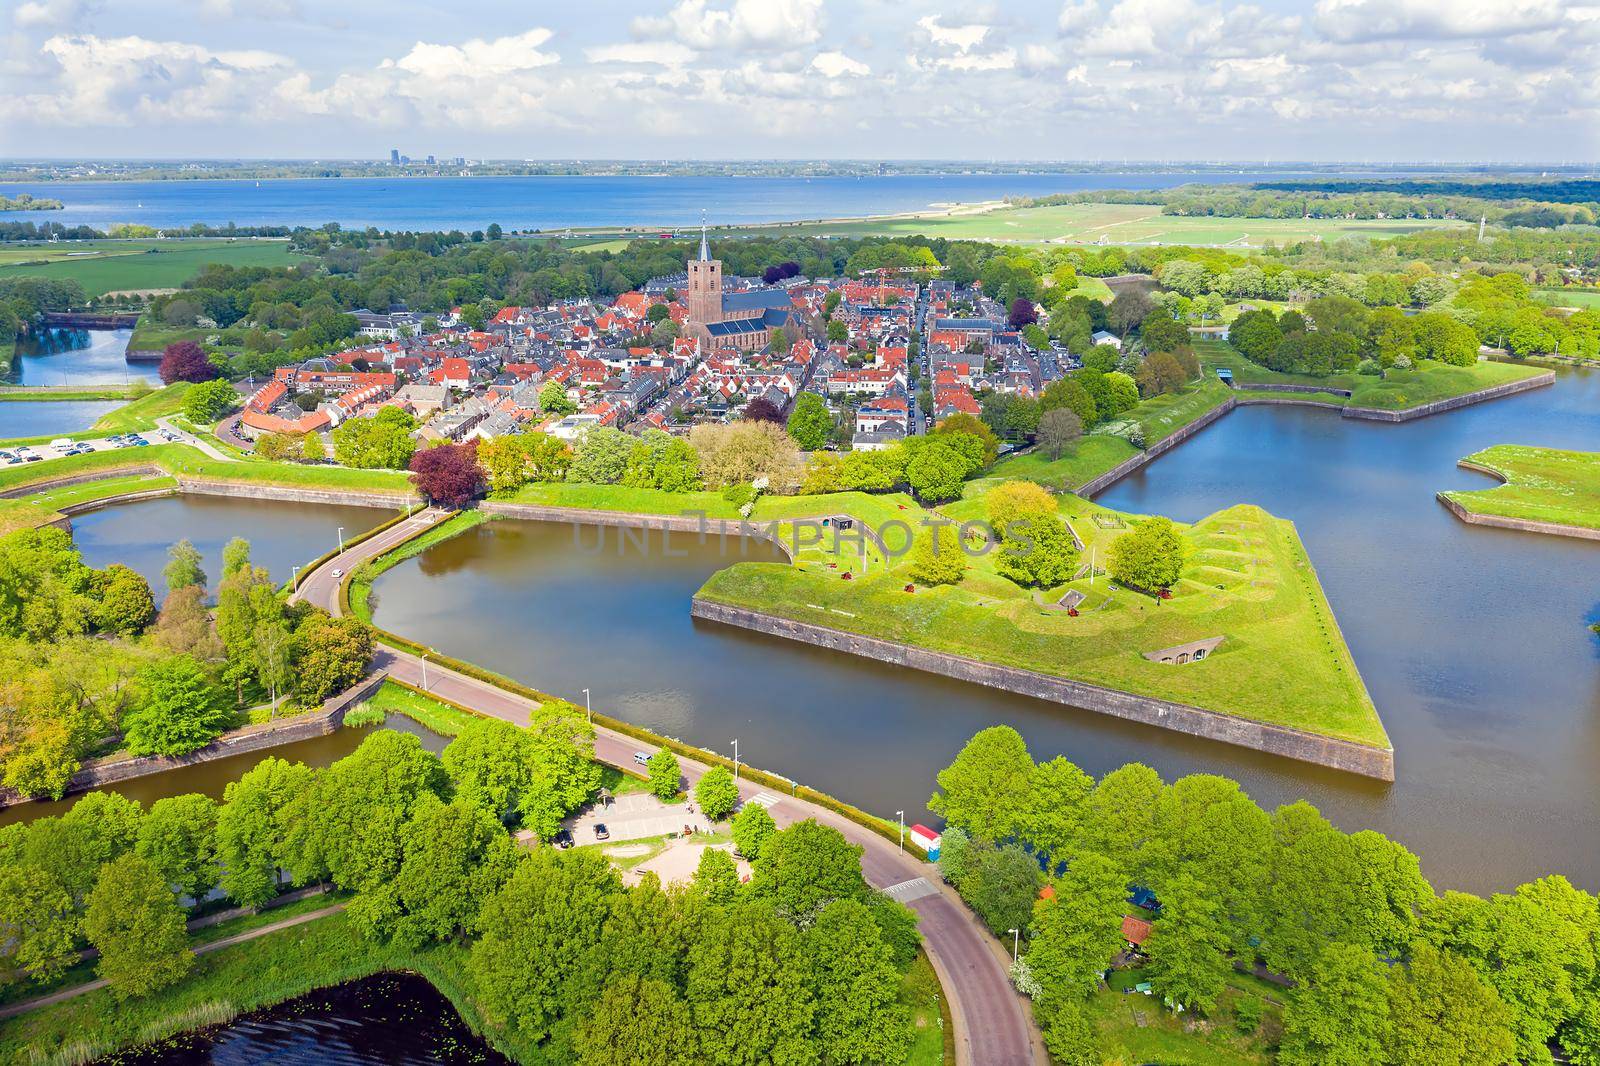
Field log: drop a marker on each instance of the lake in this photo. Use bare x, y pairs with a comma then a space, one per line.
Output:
552, 203
388, 1018
64, 356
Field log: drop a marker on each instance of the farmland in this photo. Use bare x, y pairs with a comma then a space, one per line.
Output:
1127, 224
117, 266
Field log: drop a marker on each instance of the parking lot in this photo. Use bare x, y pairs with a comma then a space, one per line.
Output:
57, 449
634, 816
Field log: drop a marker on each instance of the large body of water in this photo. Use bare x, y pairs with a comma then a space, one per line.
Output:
47, 418
1472, 641
553, 203
381, 1020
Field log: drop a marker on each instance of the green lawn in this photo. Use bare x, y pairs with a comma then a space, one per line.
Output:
621, 498
1135, 1028
1094, 454
141, 414
1397, 390
1248, 579
1089, 223
1087, 458
1569, 297
115, 266
51, 393
442, 718
1542, 485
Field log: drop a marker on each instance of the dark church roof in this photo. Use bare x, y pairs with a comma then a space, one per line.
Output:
734, 326
739, 303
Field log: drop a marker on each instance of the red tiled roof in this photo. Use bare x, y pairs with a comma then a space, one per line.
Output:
1135, 930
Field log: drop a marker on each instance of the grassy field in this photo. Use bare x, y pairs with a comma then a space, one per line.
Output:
1542, 485
1569, 297
1096, 223
116, 266
1136, 1028
1247, 579
151, 336
1395, 391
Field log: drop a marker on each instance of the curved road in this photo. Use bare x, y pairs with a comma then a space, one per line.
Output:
993, 1026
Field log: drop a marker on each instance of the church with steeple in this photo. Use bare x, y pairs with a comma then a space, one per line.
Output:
742, 320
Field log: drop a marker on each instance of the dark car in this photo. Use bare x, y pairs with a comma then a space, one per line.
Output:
601, 832
563, 838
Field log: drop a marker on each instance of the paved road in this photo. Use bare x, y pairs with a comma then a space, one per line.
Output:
993, 1026
195, 442
216, 945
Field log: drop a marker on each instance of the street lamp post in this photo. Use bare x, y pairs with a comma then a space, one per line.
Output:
425, 673
902, 816
341, 538
736, 758
1016, 939
588, 709
294, 580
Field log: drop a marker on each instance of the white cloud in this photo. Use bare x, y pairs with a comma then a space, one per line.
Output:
478, 58
660, 53
837, 64
756, 24
1375, 20
961, 38
258, 9
1078, 15
1004, 59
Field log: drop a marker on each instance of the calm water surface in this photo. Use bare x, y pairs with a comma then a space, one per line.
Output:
44, 418
62, 356
554, 202
381, 1020
282, 536
1472, 642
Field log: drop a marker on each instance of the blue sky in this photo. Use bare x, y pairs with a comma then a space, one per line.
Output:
1494, 80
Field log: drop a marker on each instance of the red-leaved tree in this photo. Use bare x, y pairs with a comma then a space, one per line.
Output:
448, 475
1023, 313
186, 361
762, 409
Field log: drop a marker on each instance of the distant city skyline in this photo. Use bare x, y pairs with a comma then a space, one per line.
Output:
1146, 80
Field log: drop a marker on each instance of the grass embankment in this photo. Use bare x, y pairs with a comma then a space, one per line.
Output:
1092, 455
1542, 485
29, 512
59, 393
1397, 390
1283, 660
121, 266
446, 719
368, 572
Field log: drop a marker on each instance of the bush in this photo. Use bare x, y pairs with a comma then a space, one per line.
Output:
364, 714
1247, 1014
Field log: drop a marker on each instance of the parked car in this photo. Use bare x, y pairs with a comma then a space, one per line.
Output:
601, 832
562, 839
642, 758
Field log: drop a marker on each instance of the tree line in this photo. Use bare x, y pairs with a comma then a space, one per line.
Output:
93, 659
1381, 968
801, 964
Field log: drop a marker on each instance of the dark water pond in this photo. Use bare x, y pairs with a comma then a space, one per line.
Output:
62, 356
386, 1019
1472, 642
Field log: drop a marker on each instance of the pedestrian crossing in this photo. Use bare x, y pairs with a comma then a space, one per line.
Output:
765, 799
906, 891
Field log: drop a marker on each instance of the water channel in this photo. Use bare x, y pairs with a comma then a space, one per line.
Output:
377, 1021
1472, 641
68, 357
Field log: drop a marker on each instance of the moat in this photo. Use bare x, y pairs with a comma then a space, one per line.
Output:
1473, 642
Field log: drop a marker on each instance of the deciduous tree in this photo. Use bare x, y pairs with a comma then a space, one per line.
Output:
133, 918
448, 475
987, 789
665, 775
178, 837
1149, 556
179, 710
716, 793
186, 361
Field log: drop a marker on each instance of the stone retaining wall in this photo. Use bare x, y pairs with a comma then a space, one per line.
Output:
1510, 388
1521, 525
125, 497
1287, 401
1289, 743
97, 773
1271, 387
1095, 486
297, 494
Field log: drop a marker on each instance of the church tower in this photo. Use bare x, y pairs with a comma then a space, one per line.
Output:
704, 298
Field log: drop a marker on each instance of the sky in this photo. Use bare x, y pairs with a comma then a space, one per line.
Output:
1348, 80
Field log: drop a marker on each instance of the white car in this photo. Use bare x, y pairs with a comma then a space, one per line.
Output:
337, 572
